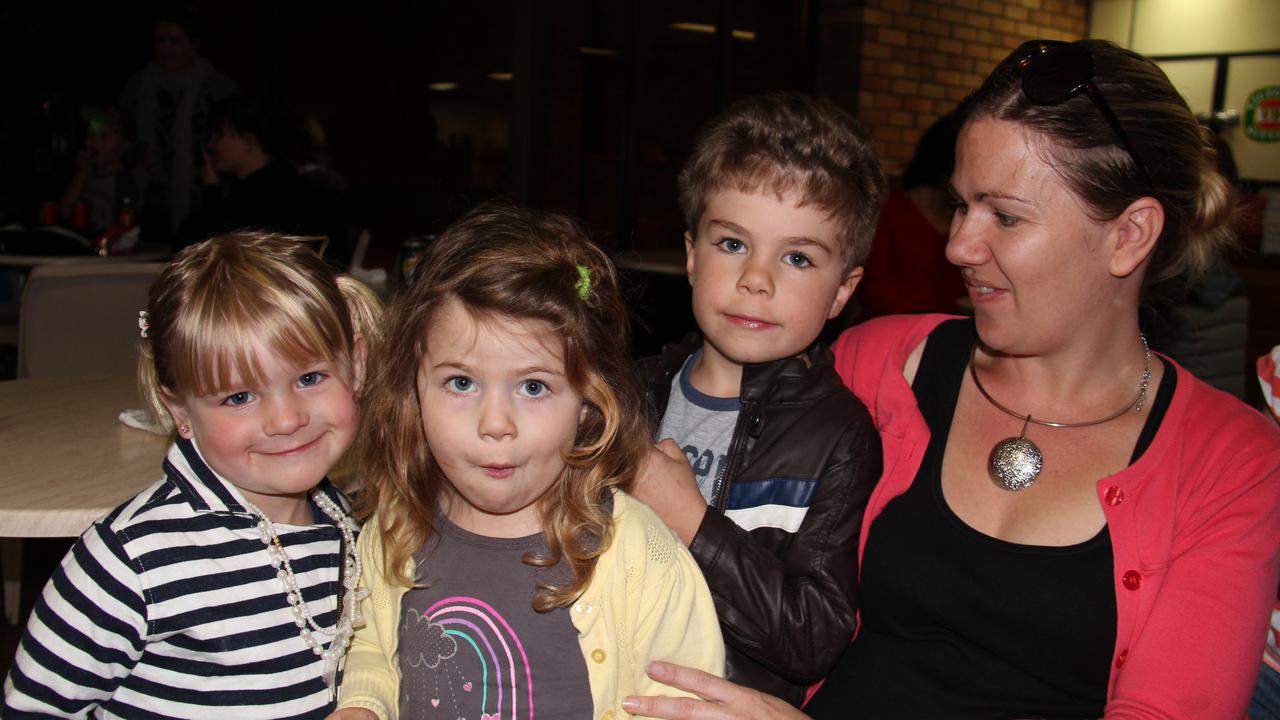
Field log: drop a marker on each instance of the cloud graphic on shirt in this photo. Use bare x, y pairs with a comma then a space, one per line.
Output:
427, 639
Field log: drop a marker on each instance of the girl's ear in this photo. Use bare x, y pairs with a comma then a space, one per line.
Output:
177, 411
359, 353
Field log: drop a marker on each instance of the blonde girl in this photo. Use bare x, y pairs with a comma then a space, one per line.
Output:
228, 585
509, 572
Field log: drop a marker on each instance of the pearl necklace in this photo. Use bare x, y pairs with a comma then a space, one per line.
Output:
348, 606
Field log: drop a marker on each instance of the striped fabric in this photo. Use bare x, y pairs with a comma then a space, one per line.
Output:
1269, 377
168, 608
778, 502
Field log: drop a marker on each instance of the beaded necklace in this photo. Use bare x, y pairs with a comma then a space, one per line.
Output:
348, 602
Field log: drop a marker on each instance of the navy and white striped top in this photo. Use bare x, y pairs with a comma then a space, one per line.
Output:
169, 608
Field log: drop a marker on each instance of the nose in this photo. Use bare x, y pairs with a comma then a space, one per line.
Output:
965, 246
496, 421
285, 416
756, 276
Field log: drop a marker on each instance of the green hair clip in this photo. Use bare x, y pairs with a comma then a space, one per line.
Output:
583, 285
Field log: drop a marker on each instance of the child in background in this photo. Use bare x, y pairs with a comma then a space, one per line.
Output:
229, 585
507, 568
106, 177
780, 196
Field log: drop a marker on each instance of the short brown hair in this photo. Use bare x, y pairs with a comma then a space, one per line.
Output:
1086, 153
789, 142
507, 261
219, 295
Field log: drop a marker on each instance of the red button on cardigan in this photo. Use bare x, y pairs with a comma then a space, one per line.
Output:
1113, 496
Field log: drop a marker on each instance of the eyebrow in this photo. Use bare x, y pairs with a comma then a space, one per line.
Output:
463, 367
988, 194
796, 239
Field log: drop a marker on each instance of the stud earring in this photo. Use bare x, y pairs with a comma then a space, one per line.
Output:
184, 429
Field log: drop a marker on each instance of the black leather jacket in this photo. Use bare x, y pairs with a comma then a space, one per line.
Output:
786, 600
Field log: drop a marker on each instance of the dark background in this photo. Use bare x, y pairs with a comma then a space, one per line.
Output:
598, 108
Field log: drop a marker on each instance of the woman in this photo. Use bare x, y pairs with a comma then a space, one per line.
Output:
1068, 525
166, 106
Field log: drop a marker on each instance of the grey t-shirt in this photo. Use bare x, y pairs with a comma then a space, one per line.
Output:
702, 426
471, 644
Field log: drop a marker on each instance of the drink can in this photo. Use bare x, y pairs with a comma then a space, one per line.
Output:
48, 213
410, 250
80, 215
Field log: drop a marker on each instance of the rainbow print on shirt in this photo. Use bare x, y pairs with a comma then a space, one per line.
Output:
467, 648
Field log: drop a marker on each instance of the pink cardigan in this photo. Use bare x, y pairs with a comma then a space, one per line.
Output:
1194, 524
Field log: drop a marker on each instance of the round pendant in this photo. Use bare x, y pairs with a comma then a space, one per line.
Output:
1015, 463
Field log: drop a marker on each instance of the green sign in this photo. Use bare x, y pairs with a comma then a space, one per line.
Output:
1262, 114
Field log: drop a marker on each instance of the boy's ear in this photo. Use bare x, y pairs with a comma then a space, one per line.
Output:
1133, 235
359, 352
688, 256
845, 291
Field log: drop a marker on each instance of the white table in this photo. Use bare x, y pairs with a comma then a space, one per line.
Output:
66, 460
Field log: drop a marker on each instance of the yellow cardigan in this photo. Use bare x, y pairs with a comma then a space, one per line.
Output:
646, 601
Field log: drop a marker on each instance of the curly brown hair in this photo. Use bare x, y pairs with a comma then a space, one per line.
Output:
509, 262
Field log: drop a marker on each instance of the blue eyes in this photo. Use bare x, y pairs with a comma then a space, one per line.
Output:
244, 397
460, 384
735, 246
797, 259
238, 399
464, 385
534, 388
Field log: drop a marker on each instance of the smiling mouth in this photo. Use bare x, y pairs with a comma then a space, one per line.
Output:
296, 450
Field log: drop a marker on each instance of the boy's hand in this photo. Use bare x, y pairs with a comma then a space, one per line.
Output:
353, 713
667, 485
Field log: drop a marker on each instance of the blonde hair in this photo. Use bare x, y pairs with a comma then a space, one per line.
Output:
218, 297
509, 262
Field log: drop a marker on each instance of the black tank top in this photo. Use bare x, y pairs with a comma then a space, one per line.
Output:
958, 624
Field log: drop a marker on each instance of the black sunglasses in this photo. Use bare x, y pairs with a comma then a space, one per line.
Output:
1053, 72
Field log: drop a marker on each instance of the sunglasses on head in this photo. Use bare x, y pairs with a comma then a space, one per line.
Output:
1053, 72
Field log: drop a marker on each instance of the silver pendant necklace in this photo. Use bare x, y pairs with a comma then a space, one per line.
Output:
1016, 462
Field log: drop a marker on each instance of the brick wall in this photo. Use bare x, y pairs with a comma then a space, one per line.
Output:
921, 57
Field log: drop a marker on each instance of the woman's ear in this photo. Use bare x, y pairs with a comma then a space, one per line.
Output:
359, 353
1134, 234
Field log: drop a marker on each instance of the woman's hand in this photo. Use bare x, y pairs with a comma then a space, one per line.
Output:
353, 713
721, 699
666, 484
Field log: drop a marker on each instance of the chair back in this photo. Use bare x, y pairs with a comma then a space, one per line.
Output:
82, 318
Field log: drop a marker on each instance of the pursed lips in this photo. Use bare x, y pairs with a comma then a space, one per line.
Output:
498, 470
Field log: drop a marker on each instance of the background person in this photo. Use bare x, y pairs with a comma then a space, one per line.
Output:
907, 270
250, 144
165, 107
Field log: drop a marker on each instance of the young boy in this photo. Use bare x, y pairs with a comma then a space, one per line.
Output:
781, 196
